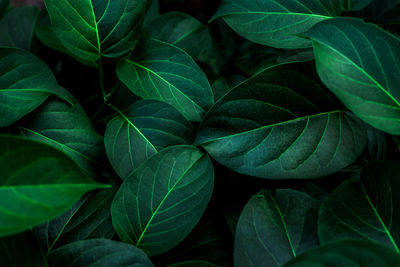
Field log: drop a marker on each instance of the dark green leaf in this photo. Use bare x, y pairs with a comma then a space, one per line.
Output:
98, 252
359, 62
152, 13
25, 83
90, 218
183, 31
220, 87
276, 23
145, 128
279, 128
161, 202
274, 227
68, 129
164, 72
352, 5
17, 26
377, 144
38, 183
194, 263
3, 7
366, 209
348, 253
21, 250
91, 29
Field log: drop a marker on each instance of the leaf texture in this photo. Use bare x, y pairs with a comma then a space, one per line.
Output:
274, 227
161, 71
367, 209
278, 128
99, 252
91, 29
38, 183
161, 202
276, 23
360, 63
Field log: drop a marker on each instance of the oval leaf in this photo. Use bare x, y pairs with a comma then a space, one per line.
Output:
90, 29
161, 202
38, 183
274, 227
362, 69
276, 23
98, 252
279, 128
347, 253
365, 209
161, 71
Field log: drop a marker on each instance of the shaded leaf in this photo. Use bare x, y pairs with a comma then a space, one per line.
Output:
278, 128
38, 183
194, 263
352, 5
377, 144
161, 71
161, 202
152, 13
3, 7
359, 63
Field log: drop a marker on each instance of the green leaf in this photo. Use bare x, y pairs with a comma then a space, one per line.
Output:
194, 263
68, 129
274, 227
146, 127
25, 83
152, 13
91, 29
17, 27
98, 252
161, 71
183, 31
354, 5
161, 202
278, 128
276, 23
347, 253
38, 183
359, 63
87, 219
21, 250
377, 144
365, 209
3, 7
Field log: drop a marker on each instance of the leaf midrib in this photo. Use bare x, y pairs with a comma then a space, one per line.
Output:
274, 13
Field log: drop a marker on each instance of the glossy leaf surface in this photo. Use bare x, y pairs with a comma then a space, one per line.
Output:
274, 227
359, 63
276, 23
347, 253
161, 202
38, 183
279, 128
99, 252
366, 209
91, 29
161, 71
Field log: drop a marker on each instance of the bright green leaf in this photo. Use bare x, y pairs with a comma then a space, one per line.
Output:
91, 29
161, 202
360, 64
365, 209
279, 128
276, 23
275, 227
161, 71
99, 252
38, 183
349, 253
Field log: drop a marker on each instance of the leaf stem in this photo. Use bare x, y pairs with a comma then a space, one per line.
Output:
101, 81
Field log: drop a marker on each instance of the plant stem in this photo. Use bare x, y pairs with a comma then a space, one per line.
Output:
101, 81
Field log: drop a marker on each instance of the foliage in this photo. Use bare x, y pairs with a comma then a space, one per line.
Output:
200, 133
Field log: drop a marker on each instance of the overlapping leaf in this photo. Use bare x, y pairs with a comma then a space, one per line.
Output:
17, 27
276, 23
347, 253
366, 209
274, 227
91, 29
25, 83
68, 129
360, 63
161, 71
145, 128
274, 127
38, 183
161, 202
99, 252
